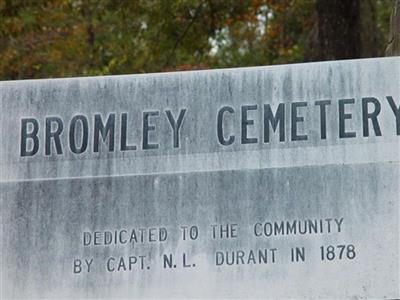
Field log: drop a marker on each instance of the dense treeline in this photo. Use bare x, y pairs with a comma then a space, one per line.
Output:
86, 37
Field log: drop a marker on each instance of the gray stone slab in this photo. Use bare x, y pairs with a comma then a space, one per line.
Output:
313, 212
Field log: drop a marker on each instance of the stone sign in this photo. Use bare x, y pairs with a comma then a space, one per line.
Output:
266, 182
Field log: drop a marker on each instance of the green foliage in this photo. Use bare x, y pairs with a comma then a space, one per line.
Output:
61, 38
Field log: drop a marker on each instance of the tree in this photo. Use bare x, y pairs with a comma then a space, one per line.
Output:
58, 38
337, 30
393, 47
346, 29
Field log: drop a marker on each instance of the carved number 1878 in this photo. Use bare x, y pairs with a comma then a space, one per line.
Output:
338, 252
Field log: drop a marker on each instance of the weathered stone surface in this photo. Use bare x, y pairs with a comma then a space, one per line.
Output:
328, 189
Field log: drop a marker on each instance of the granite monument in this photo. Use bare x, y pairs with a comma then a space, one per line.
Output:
265, 182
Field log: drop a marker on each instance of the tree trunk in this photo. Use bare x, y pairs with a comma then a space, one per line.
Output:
393, 48
369, 33
331, 37
343, 29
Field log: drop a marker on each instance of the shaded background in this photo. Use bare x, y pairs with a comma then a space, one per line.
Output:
59, 38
